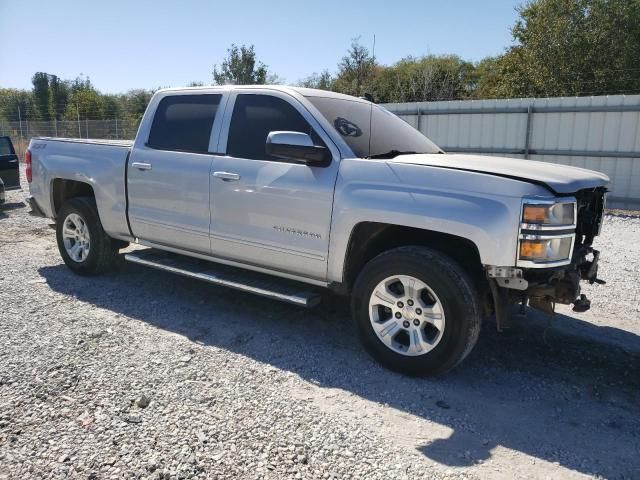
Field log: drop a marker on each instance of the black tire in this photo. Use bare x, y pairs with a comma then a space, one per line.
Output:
453, 288
103, 251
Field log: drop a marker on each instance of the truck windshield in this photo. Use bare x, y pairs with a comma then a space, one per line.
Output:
370, 130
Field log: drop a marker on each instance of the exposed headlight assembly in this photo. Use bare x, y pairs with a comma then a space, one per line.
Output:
547, 233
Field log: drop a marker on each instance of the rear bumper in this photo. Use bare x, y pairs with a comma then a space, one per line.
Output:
35, 208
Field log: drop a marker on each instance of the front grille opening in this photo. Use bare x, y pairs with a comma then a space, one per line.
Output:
590, 213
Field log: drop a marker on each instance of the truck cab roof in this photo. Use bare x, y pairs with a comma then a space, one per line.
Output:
307, 92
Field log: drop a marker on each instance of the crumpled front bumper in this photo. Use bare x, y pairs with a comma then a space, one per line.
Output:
562, 285
542, 289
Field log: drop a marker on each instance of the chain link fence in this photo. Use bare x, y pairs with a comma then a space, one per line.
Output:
21, 132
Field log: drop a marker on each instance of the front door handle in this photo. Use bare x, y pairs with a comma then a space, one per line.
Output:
12, 161
227, 176
141, 165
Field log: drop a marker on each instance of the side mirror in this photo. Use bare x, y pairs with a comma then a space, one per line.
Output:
298, 147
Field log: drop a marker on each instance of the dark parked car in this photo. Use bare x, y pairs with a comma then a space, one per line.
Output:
9, 168
1, 193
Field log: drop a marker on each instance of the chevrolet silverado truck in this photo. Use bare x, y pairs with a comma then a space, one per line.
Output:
283, 192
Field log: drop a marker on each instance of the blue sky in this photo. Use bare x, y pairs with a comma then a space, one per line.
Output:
122, 45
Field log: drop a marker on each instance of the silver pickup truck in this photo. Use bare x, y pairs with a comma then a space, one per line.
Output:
283, 191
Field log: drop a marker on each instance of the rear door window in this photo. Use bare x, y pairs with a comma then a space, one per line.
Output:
254, 116
183, 123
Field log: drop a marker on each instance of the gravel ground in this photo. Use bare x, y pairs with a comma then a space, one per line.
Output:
141, 374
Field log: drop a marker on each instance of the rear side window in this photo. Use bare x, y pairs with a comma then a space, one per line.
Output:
183, 123
5, 147
254, 116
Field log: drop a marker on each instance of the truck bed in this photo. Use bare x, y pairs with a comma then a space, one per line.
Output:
101, 164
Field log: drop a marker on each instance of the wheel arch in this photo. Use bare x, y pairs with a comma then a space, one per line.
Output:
369, 239
63, 189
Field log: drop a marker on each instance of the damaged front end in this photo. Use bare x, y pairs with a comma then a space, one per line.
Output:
554, 254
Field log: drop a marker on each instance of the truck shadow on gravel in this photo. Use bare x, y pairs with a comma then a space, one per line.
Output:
571, 400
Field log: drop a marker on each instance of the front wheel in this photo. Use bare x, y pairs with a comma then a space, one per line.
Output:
416, 311
82, 242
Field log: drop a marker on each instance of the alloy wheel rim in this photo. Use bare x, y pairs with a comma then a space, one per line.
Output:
406, 315
75, 236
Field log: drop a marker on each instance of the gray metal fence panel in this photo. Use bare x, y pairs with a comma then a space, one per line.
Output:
599, 133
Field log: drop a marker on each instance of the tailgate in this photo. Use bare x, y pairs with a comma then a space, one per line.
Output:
9, 165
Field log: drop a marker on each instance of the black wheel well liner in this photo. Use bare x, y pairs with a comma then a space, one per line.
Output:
63, 189
369, 239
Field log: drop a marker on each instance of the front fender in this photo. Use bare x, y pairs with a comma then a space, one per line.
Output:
480, 208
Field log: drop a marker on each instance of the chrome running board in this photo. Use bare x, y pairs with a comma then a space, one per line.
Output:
245, 280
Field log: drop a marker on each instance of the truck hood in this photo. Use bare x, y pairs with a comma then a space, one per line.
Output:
560, 179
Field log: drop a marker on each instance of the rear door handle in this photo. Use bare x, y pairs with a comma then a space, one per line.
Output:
13, 161
141, 165
227, 176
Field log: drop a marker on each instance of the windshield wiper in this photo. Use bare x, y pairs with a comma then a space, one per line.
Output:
391, 154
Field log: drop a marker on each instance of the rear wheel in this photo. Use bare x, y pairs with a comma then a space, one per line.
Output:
82, 242
416, 311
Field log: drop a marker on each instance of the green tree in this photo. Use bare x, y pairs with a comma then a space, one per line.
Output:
135, 103
275, 79
356, 70
487, 78
429, 78
112, 106
41, 94
70, 97
570, 47
59, 94
85, 100
322, 81
240, 67
13, 101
